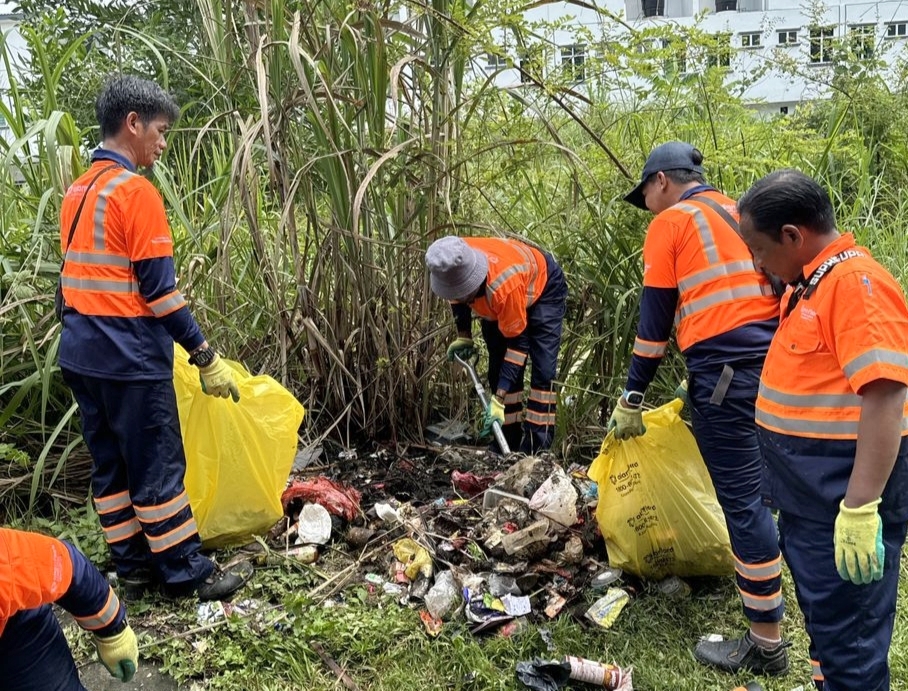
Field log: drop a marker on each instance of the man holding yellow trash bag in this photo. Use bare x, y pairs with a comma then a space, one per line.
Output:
698, 271
121, 314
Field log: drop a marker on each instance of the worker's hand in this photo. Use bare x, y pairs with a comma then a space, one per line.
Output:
494, 413
627, 422
681, 391
119, 653
217, 380
859, 551
462, 347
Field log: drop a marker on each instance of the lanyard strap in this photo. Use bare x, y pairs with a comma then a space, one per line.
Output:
805, 289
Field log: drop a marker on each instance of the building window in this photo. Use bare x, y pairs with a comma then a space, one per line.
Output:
653, 8
752, 40
675, 62
726, 5
719, 55
862, 38
572, 59
530, 71
897, 30
821, 38
788, 37
783, 110
495, 62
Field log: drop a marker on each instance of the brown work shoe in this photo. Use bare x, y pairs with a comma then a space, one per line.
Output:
743, 653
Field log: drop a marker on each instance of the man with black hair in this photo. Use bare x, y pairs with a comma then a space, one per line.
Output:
834, 435
121, 314
698, 271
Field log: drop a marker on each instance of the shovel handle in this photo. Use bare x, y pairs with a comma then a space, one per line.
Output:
480, 389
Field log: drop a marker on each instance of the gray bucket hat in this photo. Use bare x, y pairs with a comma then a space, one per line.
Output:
456, 270
668, 156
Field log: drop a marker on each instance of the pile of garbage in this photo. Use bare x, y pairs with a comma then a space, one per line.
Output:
500, 550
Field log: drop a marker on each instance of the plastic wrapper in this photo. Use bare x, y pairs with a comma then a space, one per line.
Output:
657, 508
556, 499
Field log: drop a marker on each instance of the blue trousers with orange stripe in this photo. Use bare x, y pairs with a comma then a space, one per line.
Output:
132, 429
726, 435
34, 654
544, 325
850, 626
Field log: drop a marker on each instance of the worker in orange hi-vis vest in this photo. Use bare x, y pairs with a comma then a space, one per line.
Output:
36, 571
121, 313
832, 421
520, 293
699, 274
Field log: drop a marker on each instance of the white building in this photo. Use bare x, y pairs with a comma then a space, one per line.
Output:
780, 52
16, 47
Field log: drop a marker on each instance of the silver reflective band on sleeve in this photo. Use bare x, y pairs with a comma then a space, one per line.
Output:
761, 604
876, 356
759, 572
168, 305
130, 286
717, 271
720, 296
102, 618
706, 233
647, 349
101, 206
98, 259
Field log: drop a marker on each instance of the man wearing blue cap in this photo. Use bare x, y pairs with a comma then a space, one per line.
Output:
699, 274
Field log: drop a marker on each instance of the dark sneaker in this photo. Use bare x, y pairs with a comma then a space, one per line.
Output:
136, 585
223, 583
743, 653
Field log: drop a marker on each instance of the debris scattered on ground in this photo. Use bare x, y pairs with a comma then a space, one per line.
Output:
550, 675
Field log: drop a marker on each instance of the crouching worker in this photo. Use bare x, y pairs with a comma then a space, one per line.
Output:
36, 571
520, 294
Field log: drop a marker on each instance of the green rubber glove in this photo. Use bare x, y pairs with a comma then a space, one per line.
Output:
217, 380
681, 391
119, 653
627, 422
462, 347
859, 552
494, 413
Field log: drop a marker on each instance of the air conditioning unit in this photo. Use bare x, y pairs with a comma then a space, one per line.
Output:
653, 8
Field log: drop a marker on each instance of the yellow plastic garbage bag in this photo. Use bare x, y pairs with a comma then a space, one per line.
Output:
238, 455
657, 509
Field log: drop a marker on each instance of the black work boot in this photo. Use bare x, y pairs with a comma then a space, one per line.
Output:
743, 653
223, 583
136, 585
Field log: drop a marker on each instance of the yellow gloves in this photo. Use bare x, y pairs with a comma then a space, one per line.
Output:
217, 380
859, 552
462, 347
119, 653
627, 422
494, 413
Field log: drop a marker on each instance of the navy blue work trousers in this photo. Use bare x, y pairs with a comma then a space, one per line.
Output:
34, 654
850, 626
726, 435
132, 429
544, 325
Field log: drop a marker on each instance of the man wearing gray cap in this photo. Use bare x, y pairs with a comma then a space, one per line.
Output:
520, 294
699, 274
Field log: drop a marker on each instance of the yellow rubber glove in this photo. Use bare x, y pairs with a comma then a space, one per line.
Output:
494, 413
859, 552
462, 347
217, 380
627, 422
119, 653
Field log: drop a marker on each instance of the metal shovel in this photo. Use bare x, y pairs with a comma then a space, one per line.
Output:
496, 428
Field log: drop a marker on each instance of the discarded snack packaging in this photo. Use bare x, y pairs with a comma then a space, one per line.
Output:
606, 609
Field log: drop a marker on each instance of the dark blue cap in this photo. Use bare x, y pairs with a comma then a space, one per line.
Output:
668, 156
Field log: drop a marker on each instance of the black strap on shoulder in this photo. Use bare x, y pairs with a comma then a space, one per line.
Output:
808, 287
778, 285
72, 228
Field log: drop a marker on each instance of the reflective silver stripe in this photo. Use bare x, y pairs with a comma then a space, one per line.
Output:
515, 357
546, 397
505, 275
98, 259
102, 618
761, 604
649, 349
121, 531
706, 233
515, 397
101, 206
816, 400
759, 572
720, 296
816, 672
169, 305
533, 270
873, 357
113, 502
162, 511
821, 428
534, 417
130, 286
511, 418
159, 543
717, 271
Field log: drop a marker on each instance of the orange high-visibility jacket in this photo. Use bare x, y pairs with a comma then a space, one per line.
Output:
517, 276
689, 247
